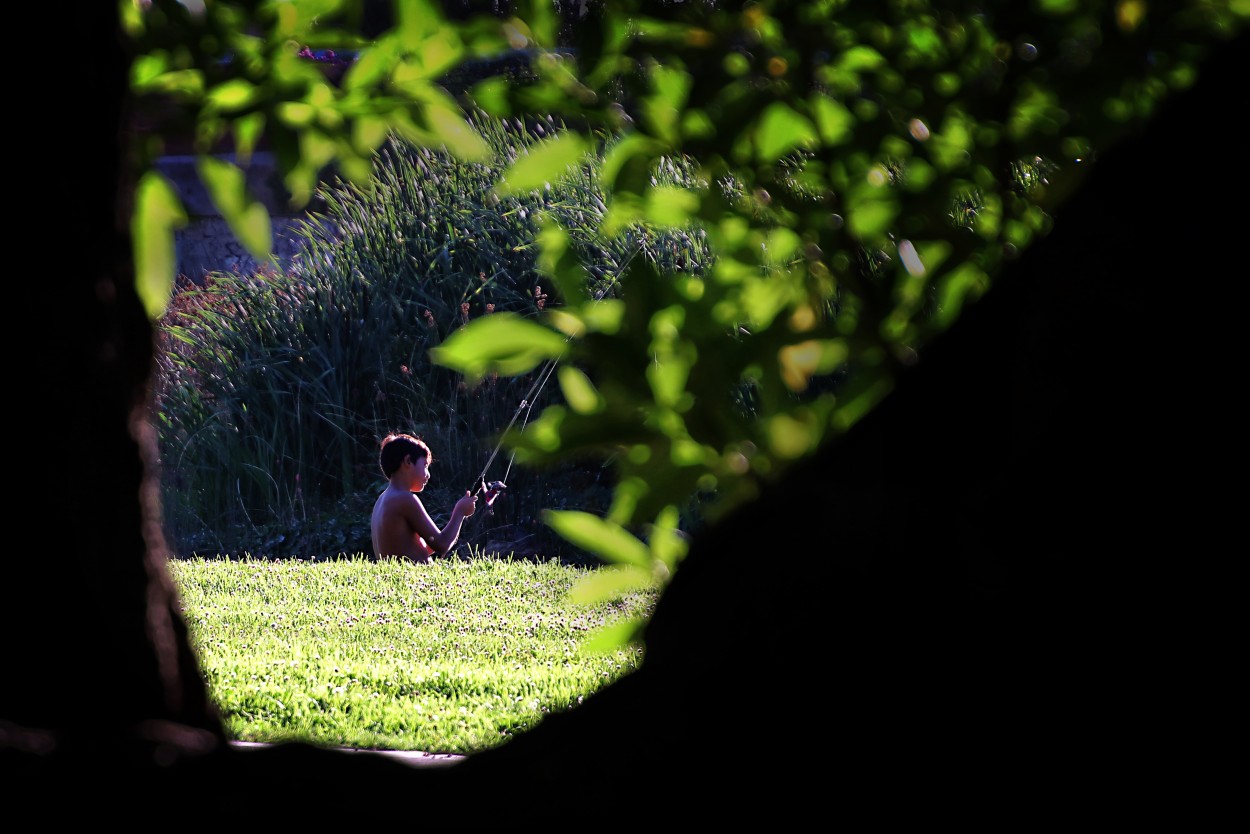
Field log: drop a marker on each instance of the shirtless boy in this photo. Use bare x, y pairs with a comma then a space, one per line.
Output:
401, 526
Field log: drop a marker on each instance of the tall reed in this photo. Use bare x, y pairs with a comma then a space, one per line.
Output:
274, 388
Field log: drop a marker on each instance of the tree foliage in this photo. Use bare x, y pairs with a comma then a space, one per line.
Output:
866, 170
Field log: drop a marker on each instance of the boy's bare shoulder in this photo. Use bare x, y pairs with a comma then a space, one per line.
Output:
390, 497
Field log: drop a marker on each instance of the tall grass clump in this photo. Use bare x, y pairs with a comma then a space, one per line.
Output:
273, 388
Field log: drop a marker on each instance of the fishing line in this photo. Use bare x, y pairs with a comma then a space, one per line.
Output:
495, 488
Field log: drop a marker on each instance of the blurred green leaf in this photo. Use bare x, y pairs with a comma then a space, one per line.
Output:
492, 96
158, 212
925, 40
372, 65
416, 21
369, 132
781, 130
631, 151
614, 636
603, 538
558, 259
668, 546
870, 211
451, 130
961, 284
862, 58
579, 391
247, 218
503, 342
671, 206
951, 147
663, 106
188, 83
540, 15
247, 132
834, 122
145, 68
790, 436
800, 362
234, 94
610, 582
545, 162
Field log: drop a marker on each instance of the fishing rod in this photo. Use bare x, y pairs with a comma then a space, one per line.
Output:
493, 489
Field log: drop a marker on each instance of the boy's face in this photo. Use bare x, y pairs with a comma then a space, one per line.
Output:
420, 472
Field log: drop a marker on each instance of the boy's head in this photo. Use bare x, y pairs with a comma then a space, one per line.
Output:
395, 447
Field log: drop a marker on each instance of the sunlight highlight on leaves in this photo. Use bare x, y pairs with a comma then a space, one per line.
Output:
579, 391
782, 130
603, 538
158, 212
614, 637
247, 217
610, 582
546, 162
503, 342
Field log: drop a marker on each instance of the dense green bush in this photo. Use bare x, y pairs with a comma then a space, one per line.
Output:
273, 388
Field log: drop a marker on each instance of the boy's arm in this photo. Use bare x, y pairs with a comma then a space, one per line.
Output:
423, 525
443, 540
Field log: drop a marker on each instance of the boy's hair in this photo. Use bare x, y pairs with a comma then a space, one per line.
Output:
396, 446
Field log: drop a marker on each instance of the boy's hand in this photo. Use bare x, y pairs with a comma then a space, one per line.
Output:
467, 505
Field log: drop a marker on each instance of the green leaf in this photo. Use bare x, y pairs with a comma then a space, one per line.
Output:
604, 316
158, 212
369, 132
964, 282
614, 636
248, 219
764, 297
491, 96
234, 94
543, 23
926, 41
598, 536
147, 68
416, 21
1036, 110
188, 83
861, 58
503, 342
951, 146
557, 259
440, 53
781, 130
633, 155
1058, 7
871, 206
372, 65
544, 163
799, 363
579, 391
663, 106
457, 135
667, 376
790, 436
247, 132
835, 123
608, 583
671, 206
668, 546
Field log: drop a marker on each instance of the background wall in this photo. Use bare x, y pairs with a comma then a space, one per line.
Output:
206, 244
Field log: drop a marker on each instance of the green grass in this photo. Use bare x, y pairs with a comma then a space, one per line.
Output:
454, 657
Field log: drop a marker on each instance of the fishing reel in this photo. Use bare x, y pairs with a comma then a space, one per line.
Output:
493, 490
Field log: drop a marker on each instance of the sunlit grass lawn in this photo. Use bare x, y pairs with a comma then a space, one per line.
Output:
453, 657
